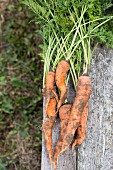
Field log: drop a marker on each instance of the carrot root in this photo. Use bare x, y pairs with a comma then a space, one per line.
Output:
47, 129
61, 72
64, 114
50, 110
82, 96
49, 92
81, 131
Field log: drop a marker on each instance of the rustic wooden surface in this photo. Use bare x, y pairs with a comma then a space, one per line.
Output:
96, 152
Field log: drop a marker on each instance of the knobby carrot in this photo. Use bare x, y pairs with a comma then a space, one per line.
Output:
81, 131
64, 113
82, 96
49, 90
61, 72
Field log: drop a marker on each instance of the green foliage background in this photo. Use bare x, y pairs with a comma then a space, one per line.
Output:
20, 89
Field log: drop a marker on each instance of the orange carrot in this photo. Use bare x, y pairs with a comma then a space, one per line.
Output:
49, 91
61, 72
48, 125
51, 109
64, 113
82, 96
81, 131
47, 128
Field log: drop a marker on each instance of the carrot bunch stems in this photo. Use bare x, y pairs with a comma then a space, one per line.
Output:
82, 96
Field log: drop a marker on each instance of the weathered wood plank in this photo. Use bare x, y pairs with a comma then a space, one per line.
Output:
96, 153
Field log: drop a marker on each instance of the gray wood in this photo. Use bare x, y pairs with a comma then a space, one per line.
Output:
96, 153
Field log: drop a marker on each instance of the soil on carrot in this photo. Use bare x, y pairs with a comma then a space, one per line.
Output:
64, 114
83, 92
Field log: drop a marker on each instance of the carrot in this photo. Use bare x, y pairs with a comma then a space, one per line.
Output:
82, 96
49, 91
61, 72
51, 109
64, 113
81, 131
48, 125
47, 128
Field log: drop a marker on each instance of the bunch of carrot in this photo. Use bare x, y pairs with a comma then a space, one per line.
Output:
72, 118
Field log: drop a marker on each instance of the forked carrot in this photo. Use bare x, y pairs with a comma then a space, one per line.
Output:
64, 113
81, 131
61, 72
82, 96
